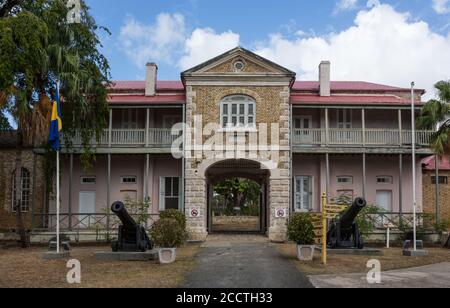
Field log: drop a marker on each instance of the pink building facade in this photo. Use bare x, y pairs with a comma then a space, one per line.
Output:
345, 139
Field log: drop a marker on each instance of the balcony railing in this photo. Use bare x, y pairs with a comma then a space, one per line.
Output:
359, 137
154, 137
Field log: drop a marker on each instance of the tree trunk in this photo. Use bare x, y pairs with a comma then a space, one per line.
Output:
21, 230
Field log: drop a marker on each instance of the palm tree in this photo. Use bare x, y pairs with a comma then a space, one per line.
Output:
436, 114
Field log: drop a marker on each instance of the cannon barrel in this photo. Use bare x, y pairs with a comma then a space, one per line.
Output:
348, 218
119, 209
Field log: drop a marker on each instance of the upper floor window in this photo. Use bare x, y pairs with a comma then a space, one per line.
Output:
88, 180
25, 185
238, 111
345, 179
385, 179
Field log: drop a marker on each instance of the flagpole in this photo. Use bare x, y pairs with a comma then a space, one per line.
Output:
413, 125
57, 202
57, 191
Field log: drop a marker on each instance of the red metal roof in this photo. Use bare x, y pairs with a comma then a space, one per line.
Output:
298, 86
346, 86
140, 85
142, 99
308, 99
429, 163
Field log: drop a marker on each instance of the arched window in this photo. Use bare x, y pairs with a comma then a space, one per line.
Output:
25, 183
238, 111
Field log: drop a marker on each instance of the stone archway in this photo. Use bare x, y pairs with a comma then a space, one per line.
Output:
256, 177
196, 198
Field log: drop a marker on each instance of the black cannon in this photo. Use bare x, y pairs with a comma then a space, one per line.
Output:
132, 237
344, 232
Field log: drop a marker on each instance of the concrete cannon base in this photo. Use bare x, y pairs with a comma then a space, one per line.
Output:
127, 256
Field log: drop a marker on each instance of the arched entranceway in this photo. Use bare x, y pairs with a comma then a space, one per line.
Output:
249, 215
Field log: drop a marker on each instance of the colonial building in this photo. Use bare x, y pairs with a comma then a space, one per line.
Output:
300, 139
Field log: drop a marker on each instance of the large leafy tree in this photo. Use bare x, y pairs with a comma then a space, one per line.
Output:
39, 47
436, 113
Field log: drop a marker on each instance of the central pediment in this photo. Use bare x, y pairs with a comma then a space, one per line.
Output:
238, 63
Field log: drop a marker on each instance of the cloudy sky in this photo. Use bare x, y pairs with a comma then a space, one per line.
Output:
391, 42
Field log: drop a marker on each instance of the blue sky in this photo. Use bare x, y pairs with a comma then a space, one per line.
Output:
252, 24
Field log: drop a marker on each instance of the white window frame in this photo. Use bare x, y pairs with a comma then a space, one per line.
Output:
231, 100
129, 176
339, 177
26, 191
390, 177
298, 194
83, 177
162, 192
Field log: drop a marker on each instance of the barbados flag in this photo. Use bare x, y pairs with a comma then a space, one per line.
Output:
56, 124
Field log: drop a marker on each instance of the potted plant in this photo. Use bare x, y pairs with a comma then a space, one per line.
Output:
301, 231
168, 233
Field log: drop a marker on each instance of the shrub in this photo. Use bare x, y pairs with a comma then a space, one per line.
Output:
301, 229
175, 214
167, 233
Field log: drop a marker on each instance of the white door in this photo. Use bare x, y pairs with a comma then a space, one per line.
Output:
86, 206
303, 193
384, 200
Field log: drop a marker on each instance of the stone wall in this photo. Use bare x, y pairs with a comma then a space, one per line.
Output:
429, 195
7, 166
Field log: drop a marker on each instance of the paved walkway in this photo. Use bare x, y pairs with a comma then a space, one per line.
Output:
241, 261
431, 276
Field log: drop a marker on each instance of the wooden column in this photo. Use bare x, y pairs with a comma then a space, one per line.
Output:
110, 127
327, 127
364, 174
327, 164
400, 189
108, 193
400, 128
147, 127
363, 119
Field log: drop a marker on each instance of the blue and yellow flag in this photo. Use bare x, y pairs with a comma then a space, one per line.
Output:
56, 124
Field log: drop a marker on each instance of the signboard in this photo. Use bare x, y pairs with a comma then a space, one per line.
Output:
194, 212
280, 213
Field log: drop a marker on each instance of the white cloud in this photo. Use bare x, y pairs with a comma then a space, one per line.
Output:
204, 44
382, 46
345, 5
441, 6
155, 42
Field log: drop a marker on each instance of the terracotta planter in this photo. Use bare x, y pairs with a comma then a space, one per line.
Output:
167, 255
305, 252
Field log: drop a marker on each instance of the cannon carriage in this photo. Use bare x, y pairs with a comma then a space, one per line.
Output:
132, 237
344, 232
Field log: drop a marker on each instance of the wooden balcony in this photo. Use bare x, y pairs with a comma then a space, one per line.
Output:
154, 137
359, 138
